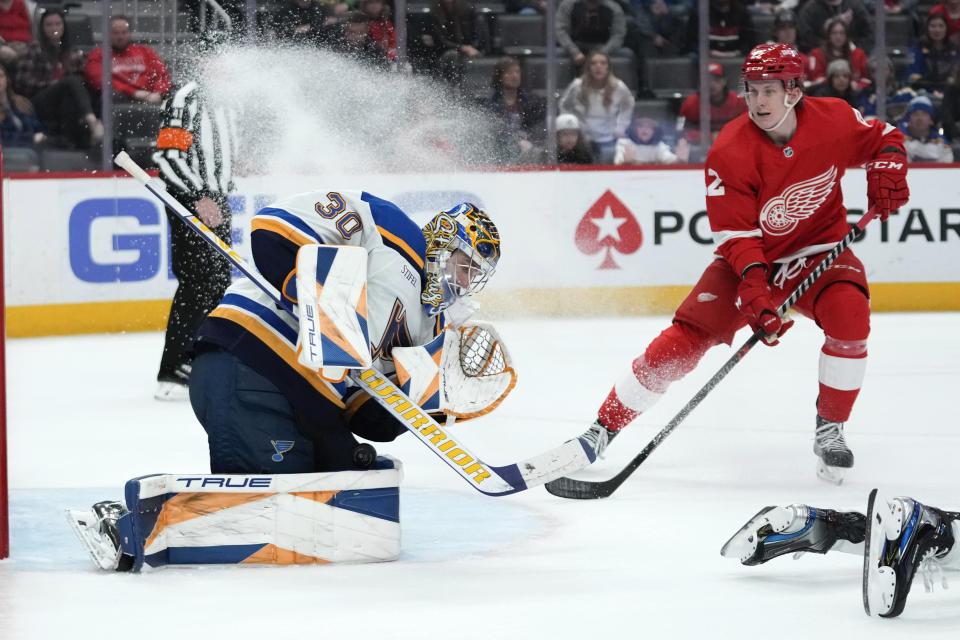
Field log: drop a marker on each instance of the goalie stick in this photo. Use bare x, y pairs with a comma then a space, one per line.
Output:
589, 490
569, 457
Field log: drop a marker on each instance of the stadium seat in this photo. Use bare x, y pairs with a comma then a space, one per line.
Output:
535, 72
731, 70
64, 160
20, 160
522, 35
477, 78
899, 31
141, 150
763, 26
670, 77
136, 119
490, 7
79, 29
660, 109
900, 65
626, 70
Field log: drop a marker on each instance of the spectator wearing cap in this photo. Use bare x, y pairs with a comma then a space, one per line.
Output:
138, 74
725, 105
837, 46
602, 102
921, 139
838, 84
731, 31
572, 146
814, 14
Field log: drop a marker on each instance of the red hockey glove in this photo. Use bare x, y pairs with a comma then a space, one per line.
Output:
754, 301
887, 188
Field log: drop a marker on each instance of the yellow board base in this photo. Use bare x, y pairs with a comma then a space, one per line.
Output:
583, 302
89, 317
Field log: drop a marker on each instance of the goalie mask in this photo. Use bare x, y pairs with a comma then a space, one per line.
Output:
463, 248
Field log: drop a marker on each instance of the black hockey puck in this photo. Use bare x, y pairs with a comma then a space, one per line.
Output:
364, 455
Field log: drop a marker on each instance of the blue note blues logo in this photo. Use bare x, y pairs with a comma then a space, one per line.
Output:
281, 447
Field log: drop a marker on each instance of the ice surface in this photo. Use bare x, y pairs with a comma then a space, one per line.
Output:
643, 563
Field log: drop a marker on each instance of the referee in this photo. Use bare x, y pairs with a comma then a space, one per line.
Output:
196, 147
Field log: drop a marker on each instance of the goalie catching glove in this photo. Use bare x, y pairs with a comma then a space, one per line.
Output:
465, 372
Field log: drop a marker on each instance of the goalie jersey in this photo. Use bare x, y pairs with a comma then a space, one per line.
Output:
252, 327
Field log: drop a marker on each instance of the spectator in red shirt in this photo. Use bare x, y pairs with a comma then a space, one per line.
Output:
951, 11
381, 28
15, 30
15, 22
138, 72
837, 46
725, 105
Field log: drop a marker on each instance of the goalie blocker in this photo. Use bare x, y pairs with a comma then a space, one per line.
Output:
193, 519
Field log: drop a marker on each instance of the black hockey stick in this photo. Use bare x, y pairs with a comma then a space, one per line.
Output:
586, 490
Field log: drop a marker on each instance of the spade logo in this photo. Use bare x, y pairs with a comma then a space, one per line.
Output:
608, 225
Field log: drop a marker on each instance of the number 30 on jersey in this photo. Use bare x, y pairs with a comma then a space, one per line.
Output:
347, 223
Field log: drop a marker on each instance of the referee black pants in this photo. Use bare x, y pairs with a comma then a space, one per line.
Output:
203, 276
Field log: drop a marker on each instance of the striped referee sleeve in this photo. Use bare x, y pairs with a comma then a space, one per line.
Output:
196, 145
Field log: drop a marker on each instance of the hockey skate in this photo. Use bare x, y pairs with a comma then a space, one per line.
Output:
599, 437
97, 529
174, 386
796, 528
833, 455
904, 537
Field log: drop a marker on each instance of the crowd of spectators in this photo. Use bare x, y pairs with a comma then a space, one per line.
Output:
610, 111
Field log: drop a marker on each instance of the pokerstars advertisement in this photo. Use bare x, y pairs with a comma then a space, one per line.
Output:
86, 240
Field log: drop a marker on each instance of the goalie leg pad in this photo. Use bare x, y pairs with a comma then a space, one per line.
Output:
332, 308
315, 518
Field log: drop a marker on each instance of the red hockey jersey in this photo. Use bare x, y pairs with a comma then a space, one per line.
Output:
767, 203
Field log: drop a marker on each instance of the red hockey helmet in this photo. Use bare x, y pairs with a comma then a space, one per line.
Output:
773, 62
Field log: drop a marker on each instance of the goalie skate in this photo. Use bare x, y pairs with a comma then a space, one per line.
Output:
97, 530
796, 528
904, 538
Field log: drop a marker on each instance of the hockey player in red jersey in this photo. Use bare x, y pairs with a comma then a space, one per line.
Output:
775, 206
